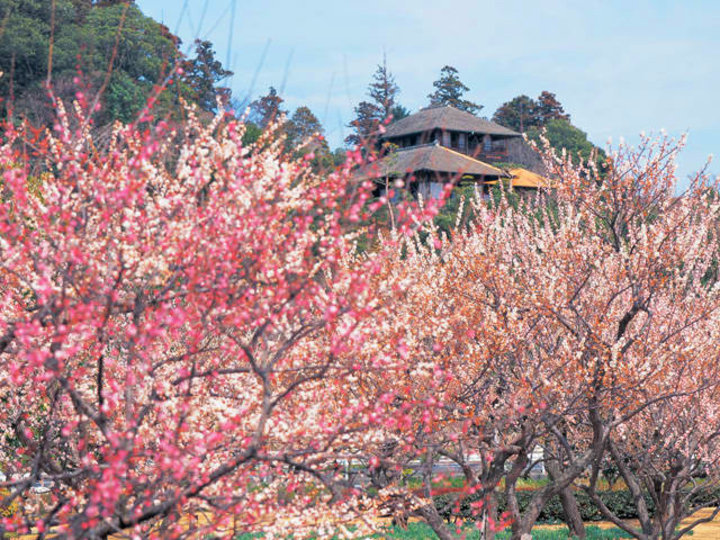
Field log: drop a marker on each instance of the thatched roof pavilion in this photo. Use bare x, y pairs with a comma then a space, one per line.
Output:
446, 119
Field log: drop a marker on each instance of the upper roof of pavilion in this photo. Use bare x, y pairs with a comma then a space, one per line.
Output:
446, 118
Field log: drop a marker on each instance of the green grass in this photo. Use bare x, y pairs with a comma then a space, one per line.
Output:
415, 482
593, 533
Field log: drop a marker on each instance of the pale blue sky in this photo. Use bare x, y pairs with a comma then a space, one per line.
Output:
618, 67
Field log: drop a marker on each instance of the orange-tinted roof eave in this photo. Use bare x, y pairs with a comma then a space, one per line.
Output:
524, 178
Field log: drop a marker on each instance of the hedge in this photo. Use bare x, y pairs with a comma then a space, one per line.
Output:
619, 502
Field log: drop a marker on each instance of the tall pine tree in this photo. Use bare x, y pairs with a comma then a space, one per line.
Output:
365, 125
267, 109
449, 90
202, 74
302, 125
383, 92
550, 108
304, 134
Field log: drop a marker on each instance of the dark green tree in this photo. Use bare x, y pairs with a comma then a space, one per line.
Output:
252, 133
549, 108
116, 48
304, 134
383, 90
449, 90
25, 40
267, 109
82, 8
399, 112
301, 126
88, 36
367, 119
520, 114
111, 2
202, 75
561, 134
145, 55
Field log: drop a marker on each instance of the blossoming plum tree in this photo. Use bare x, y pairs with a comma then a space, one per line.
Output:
668, 457
178, 324
191, 341
625, 276
568, 323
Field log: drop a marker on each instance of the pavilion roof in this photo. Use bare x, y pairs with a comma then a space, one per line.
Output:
446, 118
431, 158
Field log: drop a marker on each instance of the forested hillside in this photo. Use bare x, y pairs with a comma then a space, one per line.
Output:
107, 48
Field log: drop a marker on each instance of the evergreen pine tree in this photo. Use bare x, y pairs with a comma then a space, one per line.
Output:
202, 74
302, 125
449, 90
550, 108
267, 109
383, 90
367, 119
304, 134
399, 112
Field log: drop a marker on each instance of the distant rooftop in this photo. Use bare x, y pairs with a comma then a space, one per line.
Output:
446, 118
522, 178
431, 158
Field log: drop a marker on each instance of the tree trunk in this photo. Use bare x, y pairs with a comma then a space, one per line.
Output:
523, 524
430, 515
490, 515
572, 514
570, 507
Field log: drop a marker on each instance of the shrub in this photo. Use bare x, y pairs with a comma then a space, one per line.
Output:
619, 502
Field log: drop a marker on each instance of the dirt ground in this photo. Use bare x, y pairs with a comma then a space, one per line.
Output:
705, 531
